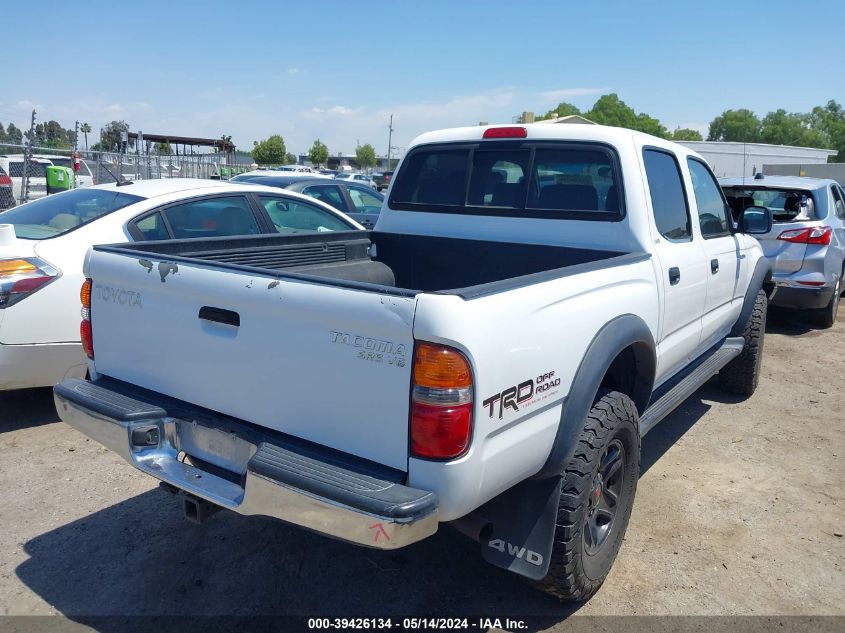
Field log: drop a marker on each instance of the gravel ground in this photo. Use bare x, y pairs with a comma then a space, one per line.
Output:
739, 512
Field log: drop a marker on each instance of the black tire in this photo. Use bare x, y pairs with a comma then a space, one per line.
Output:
826, 317
585, 544
742, 374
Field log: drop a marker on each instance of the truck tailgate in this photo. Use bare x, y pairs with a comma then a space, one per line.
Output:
324, 363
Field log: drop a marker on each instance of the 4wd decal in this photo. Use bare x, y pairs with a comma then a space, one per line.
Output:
524, 394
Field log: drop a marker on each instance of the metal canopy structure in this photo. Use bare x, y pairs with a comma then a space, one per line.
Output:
223, 145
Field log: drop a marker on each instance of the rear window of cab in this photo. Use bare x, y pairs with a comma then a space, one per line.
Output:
568, 181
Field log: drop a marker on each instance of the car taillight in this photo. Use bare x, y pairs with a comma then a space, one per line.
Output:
813, 235
5, 181
20, 277
441, 402
86, 334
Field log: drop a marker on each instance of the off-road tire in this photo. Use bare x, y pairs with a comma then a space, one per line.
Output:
742, 374
575, 574
826, 317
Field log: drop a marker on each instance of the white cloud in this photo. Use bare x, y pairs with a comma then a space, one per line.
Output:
294, 71
570, 93
341, 126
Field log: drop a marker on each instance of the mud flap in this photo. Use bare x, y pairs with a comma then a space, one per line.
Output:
520, 527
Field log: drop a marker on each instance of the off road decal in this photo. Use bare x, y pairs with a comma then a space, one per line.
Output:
525, 394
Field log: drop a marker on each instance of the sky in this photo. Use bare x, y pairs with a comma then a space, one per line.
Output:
337, 70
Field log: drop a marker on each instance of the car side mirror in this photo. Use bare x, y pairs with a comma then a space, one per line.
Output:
755, 220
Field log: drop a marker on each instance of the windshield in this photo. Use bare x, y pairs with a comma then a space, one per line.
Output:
62, 212
786, 205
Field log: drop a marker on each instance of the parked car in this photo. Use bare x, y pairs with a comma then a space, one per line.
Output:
363, 179
7, 194
12, 164
489, 357
382, 180
41, 268
84, 177
806, 246
357, 201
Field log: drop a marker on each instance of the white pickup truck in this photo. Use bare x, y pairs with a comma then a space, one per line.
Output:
531, 302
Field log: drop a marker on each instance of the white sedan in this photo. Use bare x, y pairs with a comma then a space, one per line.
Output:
43, 245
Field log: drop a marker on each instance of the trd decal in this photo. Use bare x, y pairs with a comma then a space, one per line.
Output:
524, 394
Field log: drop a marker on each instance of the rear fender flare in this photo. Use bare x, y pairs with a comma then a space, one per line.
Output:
624, 331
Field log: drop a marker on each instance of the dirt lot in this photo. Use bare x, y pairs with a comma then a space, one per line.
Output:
740, 511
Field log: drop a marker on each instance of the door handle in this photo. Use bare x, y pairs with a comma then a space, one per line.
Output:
714, 266
219, 315
674, 275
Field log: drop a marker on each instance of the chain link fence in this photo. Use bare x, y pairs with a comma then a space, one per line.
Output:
101, 168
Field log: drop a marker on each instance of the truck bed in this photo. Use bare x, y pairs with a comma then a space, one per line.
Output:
384, 262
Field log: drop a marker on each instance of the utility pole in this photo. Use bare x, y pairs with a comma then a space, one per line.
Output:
27, 157
389, 141
76, 136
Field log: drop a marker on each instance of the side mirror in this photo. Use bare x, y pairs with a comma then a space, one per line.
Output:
755, 220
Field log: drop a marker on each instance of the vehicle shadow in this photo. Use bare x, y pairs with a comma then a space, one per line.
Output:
23, 408
140, 557
674, 426
791, 322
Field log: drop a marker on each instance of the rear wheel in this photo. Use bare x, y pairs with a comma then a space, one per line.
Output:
827, 315
596, 499
742, 374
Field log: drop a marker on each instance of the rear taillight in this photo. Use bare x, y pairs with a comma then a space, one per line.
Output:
19, 278
813, 235
86, 334
441, 402
5, 181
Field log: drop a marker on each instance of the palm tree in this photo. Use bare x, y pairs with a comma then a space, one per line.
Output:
85, 128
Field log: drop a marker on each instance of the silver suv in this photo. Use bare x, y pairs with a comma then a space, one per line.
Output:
806, 246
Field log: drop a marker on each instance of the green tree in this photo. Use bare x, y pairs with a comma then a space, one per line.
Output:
163, 149
611, 110
735, 125
791, 128
318, 154
14, 135
291, 159
562, 109
365, 156
828, 119
270, 151
85, 129
686, 134
3, 137
110, 135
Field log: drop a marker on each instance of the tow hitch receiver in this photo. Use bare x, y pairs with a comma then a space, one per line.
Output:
197, 510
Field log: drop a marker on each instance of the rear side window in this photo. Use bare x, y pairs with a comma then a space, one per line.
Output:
712, 213
365, 201
838, 202
539, 180
62, 212
212, 217
152, 227
292, 216
668, 200
330, 194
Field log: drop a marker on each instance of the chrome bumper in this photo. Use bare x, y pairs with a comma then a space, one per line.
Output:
157, 446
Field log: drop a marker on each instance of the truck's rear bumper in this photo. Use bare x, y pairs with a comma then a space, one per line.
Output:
242, 468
